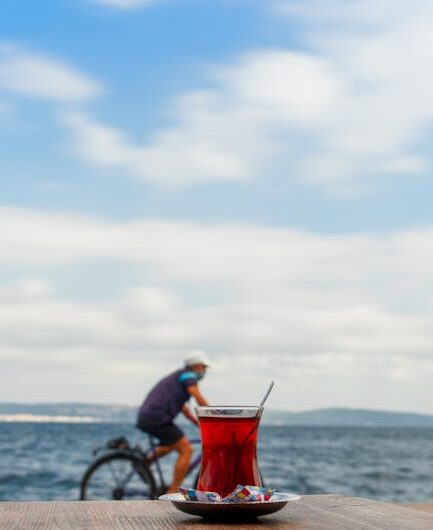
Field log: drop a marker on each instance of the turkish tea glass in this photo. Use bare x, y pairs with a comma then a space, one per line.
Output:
229, 448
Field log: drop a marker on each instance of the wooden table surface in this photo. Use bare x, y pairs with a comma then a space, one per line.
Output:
325, 512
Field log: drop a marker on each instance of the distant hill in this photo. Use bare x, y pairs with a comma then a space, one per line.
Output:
340, 417
345, 417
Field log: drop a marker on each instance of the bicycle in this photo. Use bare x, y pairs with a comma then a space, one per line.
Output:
120, 472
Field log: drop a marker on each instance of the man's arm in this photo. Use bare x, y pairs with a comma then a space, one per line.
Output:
194, 391
186, 411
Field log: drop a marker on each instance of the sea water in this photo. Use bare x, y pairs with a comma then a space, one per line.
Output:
43, 461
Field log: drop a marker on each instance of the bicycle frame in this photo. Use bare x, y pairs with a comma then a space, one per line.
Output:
113, 451
193, 465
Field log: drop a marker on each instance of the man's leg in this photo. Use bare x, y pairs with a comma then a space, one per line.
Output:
166, 433
184, 448
158, 452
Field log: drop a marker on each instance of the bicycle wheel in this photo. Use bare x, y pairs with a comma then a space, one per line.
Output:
118, 476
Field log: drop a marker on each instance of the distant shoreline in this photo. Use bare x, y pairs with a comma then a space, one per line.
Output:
35, 418
327, 417
88, 420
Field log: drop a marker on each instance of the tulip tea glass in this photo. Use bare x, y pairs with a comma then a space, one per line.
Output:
229, 448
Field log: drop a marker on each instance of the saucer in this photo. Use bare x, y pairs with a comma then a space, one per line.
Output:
232, 510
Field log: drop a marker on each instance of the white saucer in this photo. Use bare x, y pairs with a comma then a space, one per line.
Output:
232, 510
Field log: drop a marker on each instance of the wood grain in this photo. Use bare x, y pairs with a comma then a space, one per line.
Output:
312, 512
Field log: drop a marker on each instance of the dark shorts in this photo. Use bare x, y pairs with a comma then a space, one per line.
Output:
167, 434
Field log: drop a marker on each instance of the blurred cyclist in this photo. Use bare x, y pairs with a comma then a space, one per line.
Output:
164, 402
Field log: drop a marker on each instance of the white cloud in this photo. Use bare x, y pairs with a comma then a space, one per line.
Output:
25, 289
226, 133
40, 76
351, 109
315, 311
380, 52
181, 158
366, 15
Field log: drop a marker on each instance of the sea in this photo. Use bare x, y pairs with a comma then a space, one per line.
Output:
46, 460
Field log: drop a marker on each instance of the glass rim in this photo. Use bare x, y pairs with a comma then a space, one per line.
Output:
233, 411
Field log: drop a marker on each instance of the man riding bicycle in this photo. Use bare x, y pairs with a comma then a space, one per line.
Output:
164, 402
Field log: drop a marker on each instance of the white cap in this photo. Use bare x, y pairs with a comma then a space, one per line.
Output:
197, 357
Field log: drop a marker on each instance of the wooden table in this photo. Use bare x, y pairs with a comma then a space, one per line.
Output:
325, 512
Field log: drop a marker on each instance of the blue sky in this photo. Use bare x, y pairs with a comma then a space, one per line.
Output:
143, 58
246, 177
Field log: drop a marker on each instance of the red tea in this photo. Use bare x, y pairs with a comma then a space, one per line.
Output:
229, 453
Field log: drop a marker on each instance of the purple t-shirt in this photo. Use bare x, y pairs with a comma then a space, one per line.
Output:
166, 399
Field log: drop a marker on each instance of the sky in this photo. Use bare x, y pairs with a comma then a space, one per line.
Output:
251, 178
